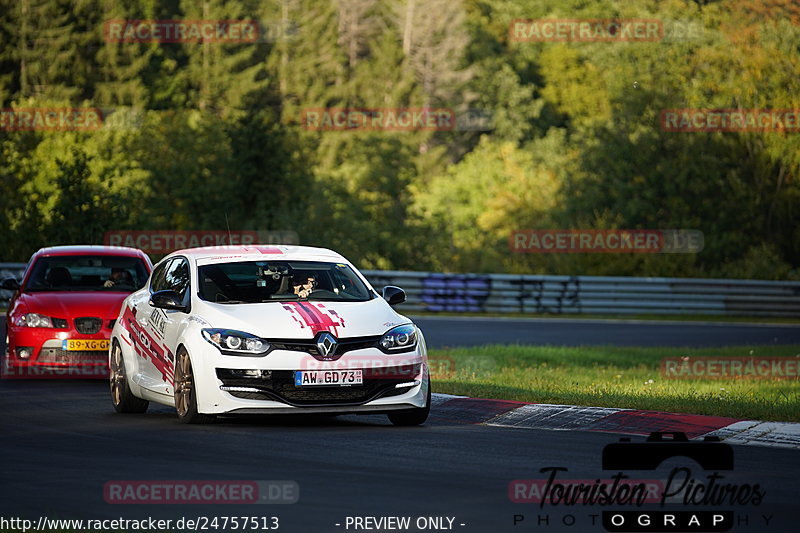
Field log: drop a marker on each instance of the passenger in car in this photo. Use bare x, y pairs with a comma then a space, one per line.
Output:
59, 277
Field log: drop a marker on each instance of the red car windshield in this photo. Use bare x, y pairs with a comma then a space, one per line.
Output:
87, 273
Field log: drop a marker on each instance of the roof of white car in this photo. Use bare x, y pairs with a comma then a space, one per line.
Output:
259, 252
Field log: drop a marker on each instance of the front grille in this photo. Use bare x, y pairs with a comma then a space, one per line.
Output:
310, 346
59, 323
111, 323
279, 385
88, 325
57, 355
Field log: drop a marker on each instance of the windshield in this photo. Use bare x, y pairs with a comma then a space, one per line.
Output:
267, 281
87, 273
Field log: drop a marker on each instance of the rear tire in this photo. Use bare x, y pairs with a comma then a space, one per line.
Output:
121, 396
186, 392
414, 416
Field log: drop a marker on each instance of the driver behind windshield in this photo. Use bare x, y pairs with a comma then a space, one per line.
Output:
302, 286
119, 276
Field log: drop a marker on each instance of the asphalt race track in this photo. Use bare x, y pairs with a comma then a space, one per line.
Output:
61, 443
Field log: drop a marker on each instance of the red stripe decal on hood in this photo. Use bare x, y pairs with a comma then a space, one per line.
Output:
315, 318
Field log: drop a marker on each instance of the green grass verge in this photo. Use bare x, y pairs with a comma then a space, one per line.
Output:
615, 377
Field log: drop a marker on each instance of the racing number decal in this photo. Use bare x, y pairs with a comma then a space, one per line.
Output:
148, 348
318, 318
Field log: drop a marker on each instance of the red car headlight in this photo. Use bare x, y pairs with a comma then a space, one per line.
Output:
34, 320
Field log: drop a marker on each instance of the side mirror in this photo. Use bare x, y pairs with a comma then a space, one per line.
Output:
394, 295
167, 300
10, 284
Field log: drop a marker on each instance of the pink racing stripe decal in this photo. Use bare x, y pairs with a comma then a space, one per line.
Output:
148, 348
314, 318
267, 249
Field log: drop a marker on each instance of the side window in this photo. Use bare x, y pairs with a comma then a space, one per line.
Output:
177, 276
158, 282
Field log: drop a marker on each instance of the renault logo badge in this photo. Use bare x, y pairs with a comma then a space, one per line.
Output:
326, 344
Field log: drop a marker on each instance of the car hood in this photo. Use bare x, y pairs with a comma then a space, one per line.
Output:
303, 320
73, 304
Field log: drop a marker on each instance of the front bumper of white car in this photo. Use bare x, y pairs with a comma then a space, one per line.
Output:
241, 384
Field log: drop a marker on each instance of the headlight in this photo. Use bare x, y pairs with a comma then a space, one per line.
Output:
34, 320
231, 342
399, 339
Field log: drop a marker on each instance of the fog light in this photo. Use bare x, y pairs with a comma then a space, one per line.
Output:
24, 353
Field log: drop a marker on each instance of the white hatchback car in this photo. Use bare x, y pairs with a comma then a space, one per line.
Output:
267, 329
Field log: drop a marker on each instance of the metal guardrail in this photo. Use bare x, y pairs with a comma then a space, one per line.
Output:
536, 294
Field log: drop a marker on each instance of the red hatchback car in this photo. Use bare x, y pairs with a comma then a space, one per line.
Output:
60, 318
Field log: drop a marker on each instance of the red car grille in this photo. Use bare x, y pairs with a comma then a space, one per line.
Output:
88, 325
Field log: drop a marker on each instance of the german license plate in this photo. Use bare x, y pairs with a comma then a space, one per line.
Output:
310, 378
85, 345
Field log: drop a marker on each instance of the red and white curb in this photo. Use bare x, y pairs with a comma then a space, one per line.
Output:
504, 413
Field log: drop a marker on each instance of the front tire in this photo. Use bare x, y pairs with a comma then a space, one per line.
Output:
414, 416
121, 396
186, 392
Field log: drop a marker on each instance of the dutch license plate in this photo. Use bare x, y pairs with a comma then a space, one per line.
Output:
309, 378
85, 345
